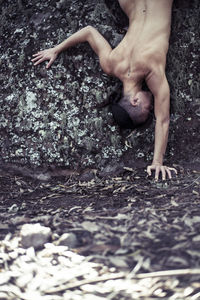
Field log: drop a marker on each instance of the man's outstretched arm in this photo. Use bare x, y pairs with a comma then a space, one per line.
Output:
160, 89
87, 34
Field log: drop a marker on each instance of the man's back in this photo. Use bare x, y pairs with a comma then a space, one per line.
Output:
146, 41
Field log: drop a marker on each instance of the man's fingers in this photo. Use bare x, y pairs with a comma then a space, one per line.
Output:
157, 173
39, 61
163, 173
36, 58
173, 169
50, 63
169, 173
149, 170
38, 53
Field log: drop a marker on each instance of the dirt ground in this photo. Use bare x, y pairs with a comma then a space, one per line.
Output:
25, 199
117, 219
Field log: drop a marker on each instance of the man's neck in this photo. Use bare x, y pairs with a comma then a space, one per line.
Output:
131, 88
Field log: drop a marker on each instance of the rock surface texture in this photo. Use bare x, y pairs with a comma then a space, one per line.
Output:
51, 118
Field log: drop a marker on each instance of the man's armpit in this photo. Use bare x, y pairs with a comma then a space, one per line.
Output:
105, 65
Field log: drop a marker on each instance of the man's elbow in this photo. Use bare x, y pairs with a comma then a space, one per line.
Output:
87, 32
90, 29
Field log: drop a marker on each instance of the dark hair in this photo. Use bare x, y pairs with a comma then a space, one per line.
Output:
124, 114
121, 116
127, 116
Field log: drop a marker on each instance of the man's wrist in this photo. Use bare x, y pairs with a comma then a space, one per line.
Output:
157, 162
56, 49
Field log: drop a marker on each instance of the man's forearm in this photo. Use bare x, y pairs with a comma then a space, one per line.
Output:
78, 37
161, 138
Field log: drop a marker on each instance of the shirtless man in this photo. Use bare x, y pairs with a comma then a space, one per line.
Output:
141, 55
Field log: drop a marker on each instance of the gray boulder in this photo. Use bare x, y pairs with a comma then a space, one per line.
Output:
50, 118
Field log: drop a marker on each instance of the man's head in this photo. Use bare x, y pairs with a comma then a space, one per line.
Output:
131, 112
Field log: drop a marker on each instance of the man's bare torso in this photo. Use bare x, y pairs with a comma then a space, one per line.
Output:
145, 44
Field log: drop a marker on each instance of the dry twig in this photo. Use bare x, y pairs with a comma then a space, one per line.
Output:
178, 272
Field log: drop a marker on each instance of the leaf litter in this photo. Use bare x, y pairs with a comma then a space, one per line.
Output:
124, 237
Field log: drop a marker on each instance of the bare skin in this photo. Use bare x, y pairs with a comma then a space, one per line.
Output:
141, 55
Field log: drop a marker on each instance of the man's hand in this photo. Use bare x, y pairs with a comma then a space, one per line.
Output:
48, 54
164, 170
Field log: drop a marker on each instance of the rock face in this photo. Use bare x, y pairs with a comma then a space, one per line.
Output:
51, 117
